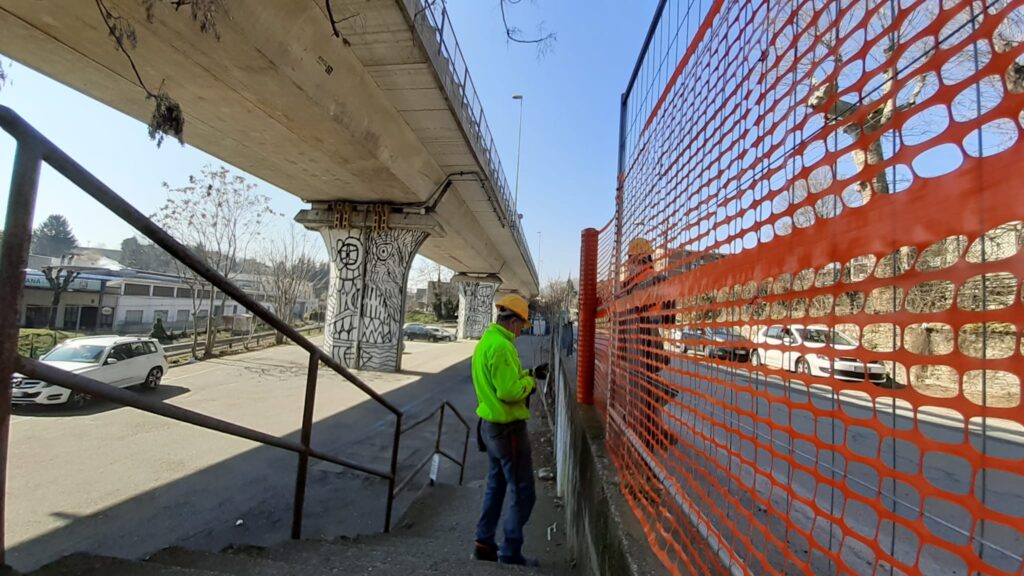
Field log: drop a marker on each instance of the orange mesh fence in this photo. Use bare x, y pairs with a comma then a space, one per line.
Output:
606, 287
809, 307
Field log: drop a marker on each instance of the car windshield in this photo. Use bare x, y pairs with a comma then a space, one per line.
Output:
84, 353
819, 336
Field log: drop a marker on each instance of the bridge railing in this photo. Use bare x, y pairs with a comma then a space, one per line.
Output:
434, 28
33, 149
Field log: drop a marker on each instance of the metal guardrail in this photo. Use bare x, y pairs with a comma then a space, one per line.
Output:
32, 150
172, 350
434, 28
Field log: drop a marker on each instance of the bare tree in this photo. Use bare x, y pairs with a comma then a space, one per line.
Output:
871, 145
555, 297
291, 268
59, 278
219, 215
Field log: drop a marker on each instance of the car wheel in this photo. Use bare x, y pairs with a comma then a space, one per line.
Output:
78, 400
153, 379
755, 358
803, 367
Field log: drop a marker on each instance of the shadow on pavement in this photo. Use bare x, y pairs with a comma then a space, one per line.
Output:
203, 509
95, 406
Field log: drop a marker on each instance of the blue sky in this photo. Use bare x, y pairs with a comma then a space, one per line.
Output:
570, 127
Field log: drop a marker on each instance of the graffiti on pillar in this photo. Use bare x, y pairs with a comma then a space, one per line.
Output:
366, 302
388, 256
347, 252
476, 307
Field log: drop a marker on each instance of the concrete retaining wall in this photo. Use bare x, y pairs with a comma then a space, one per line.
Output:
603, 534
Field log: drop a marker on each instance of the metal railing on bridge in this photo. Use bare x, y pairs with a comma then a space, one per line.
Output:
806, 311
435, 31
33, 149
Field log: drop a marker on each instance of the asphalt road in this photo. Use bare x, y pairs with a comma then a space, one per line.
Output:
734, 433
117, 481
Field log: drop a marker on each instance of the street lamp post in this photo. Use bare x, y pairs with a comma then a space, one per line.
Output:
519, 149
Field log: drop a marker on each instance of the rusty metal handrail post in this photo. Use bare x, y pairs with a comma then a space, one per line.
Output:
465, 450
394, 472
440, 429
28, 162
587, 320
302, 471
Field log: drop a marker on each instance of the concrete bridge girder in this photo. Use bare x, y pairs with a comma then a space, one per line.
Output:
280, 97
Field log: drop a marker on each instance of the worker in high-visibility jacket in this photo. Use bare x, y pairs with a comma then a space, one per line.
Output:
502, 389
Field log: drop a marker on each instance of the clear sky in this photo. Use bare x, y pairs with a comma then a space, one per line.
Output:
570, 126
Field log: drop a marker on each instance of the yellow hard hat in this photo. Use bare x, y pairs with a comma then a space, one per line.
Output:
517, 305
639, 247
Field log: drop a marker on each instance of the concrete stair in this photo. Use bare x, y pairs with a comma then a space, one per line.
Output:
434, 537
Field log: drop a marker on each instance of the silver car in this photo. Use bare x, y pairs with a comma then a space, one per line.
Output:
120, 361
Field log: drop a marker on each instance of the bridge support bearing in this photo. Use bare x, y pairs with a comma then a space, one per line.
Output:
366, 299
476, 308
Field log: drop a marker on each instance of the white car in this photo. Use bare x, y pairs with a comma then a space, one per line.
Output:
120, 361
785, 347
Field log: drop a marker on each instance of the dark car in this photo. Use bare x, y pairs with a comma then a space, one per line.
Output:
417, 332
727, 344
428, 333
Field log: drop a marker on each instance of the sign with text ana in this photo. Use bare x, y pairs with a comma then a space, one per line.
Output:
37, 280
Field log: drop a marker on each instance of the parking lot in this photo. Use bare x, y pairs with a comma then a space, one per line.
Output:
119, 481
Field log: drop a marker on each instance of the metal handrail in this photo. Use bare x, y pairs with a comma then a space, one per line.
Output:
438, 451
42, 371
32, 150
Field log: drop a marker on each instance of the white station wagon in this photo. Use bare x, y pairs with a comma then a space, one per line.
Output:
120, 361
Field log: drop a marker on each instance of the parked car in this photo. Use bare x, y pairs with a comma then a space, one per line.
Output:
727, 344
415, 332
120, 361
440, 334
428, 333
688, 339
776, 348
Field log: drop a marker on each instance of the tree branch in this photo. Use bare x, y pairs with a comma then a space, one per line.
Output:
512, 32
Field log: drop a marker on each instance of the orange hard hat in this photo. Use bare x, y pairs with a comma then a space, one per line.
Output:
517, 305
639, 247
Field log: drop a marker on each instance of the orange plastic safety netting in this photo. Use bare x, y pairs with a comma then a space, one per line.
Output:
808, 302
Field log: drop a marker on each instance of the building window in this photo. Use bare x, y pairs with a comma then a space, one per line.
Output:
136, 289
160, 315
204, 294
163, 291
184, 292
133, 317
234, 309
70, 317
182, 316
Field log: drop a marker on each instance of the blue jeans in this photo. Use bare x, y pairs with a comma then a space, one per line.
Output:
511, 466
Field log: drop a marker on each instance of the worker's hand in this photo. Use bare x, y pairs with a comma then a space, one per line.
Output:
540, 372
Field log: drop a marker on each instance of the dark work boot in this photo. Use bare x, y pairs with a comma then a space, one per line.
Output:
485, 552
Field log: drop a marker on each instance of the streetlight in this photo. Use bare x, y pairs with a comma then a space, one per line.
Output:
519, 149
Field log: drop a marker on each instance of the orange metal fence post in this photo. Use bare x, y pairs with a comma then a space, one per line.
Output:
588, 309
